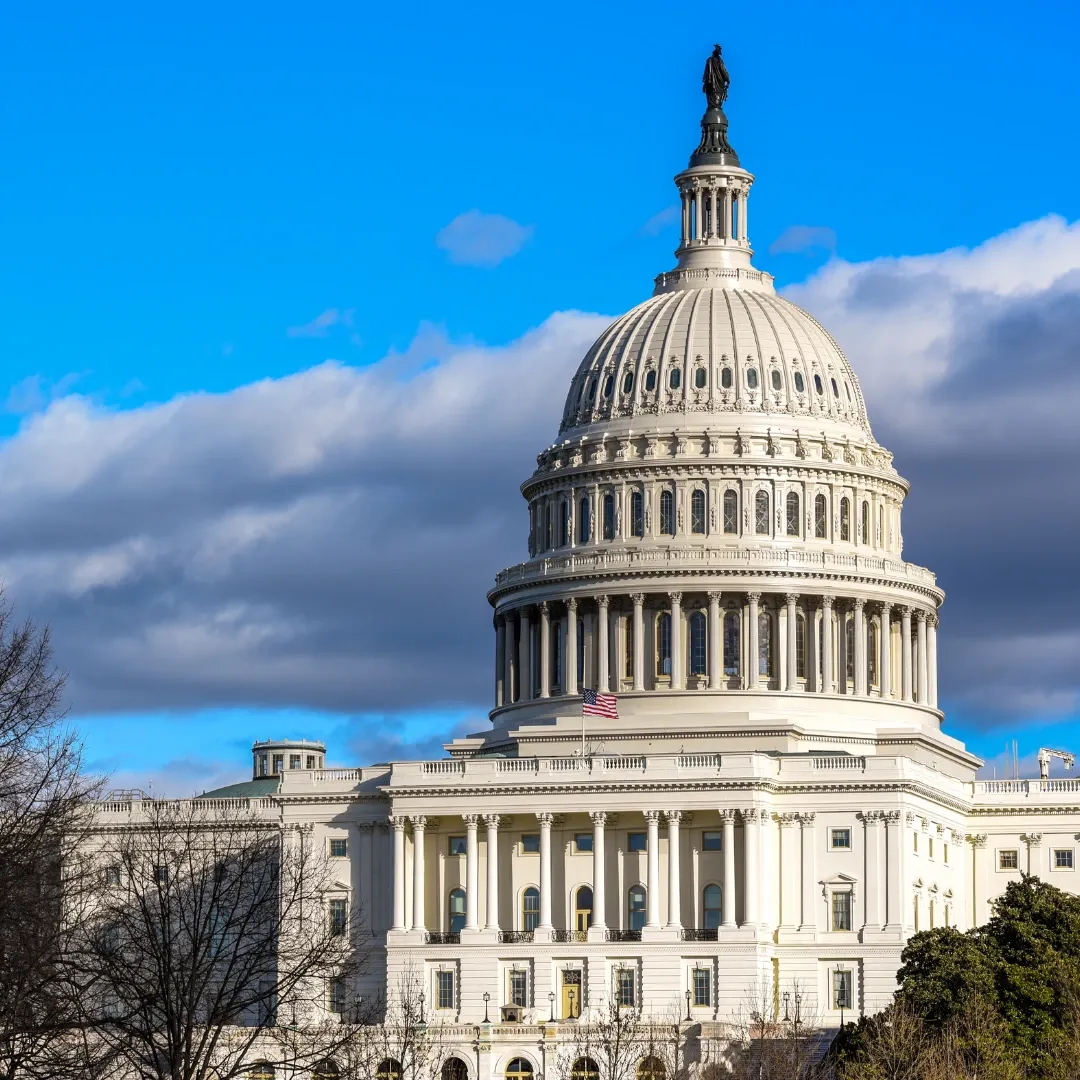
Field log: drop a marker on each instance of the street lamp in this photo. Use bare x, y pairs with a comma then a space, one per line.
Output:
487, 998
688, 1006
840, 993
570, 996
551, 998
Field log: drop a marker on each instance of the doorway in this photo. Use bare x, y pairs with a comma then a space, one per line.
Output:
571, 993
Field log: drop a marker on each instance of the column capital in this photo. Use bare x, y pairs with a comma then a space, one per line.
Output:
976, 840
571, 604
492, 820
675, 597
920, 615
603, 600
787, 819
791, 598
652, 815
366, 826
471, 820
932, 619
871, 817
397, 822
638, 598
753, 597
860, 603
545, 817
1032, 839
727, 814
807, 819
599, 817
891, 817
748, 814
826, 603
544, 608
418, 821
673, 817
905, 611
715, 597
884, 607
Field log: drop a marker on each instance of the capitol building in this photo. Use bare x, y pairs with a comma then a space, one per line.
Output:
715, 538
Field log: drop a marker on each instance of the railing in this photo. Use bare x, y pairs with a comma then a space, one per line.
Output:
337, 776
136, 806
434, 937
568, 764
530, 765
632, 763
623, 935
444, 768
1026, 787
698, 934
570, 935
840, 761
699, 761
515, 937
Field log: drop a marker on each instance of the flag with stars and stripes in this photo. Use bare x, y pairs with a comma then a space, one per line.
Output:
596, 704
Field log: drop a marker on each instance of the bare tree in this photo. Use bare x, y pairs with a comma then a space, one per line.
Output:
212, 930
607, 1044
43, 796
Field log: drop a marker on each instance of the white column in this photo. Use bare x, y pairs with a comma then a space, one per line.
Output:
860, 647
807, 835
500, 660
674, 894
931, 658
398, 825
751, 867
713, 230
754, 665
599, 921
492, 823
652, 889
744, 225
639, 641
828, 684
472, 872
524, 656
728, 901
418, 823
685, 218
894, 870
725, 213
874, 887
508, 654
905, 652
716, 643
885, 642
545, 650
699, 220
923, 666
545, 820
790, 894
570, 659
677, 681
603, 644
365, 854
792, 641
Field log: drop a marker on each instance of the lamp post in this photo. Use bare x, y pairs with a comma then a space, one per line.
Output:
487, 998
688, 1006
570, 996
551, 999
841, 993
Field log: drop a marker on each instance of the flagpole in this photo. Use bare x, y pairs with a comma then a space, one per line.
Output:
583, 728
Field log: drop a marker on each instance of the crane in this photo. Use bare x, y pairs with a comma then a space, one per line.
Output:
1045, 757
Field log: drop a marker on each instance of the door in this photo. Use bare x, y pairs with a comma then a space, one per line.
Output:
583, 902
571, 994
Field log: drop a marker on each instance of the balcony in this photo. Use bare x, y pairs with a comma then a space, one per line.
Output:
433, 937
570, 935
623, 935
699, 934
515, 937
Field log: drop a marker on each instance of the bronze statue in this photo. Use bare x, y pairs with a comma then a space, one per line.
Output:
715, 81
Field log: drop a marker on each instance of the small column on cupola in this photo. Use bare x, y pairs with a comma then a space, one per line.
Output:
714, 187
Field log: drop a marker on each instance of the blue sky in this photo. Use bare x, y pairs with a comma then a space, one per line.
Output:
204, 205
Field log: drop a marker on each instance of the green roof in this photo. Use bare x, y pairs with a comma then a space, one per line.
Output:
249, 789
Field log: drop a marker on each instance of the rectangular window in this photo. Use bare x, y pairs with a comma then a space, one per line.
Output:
161, 875
456, 845
339, 915
1063, 859
945, 853
840, 839
279, 763
310, 762
294, 761
339, 848
112, 875
712, 841
336, 996
583, 842
444, 990
843, 987
915, 842
929, 847
530, 844
519, 989
702, 987
624, 985
262, 764
637, 841
841, 910
1009, 860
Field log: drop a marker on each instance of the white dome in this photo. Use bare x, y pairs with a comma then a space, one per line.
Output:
725, 349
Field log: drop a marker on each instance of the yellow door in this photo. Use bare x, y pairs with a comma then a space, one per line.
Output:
571, 994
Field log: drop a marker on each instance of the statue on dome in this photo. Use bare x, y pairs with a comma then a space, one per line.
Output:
715, 81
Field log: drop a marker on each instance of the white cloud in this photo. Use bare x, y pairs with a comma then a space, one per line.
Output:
321, 325
660, 221
804, 240
477, 239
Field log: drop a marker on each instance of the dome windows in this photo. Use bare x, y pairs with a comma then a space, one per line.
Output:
609, 386
650, 380
817, 384
731, 511
845, 518
564, 525
761, 513
628, 382
865, 523
697, 512
700, 378
583, 520
847, 390
821, 517
800, 384
698, 643
667, 512
751, 378
609, 516
592, 389
637, 514
777, 382
675, 379
792, 514
725, 378
835, 389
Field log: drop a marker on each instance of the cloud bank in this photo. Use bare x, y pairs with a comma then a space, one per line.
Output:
477, 239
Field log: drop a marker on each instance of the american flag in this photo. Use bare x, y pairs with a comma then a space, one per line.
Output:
596, 704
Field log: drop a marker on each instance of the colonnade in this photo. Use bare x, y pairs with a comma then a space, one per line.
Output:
718, 642
714, 212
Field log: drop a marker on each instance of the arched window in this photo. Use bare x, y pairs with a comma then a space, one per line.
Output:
765, 644
628, 382
761, 513
880, 525
636, 907
835, 388
849, 646
731, 511
530, 909
327, 1069
821, 517
792, 514
454, 1069
675, 378
581, 652
777, 382
751, 378
564, 524
650, 379
800, 646
845, 518
609, 516
263, 1070
389, 1069
583, 909
865, 538
457, 911
628, 655
871, 653
637, 514
583, 520
519, 1069
663, 643
667, 512
697, 512
592, 388
700, 378
800, 385
549, 535
712, 907
651, 1068
584, 1069
698, 643
731, 643
725, 378
609, 385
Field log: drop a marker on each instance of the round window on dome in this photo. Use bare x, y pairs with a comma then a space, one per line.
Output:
835, 388
800, 385
675, 379
776, 381
751, 378
650, 380
725, 378
628, 382
609, 385
817, 384
700, 378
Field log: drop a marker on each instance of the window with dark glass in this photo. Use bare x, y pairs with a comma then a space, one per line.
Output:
636, 907
548, 534
335, 994
841, 910
581, 652
712, 840
564, 524
530, 908
530, 844
675, 378
583, 520
609, 385
761, 513
456, 845
843, 983
609, 516
519, 1069
751, 378
725, 378
845, 518
817, 384
650, 379
628, 382
800, 385
700, 378
663, 644
592, 388
557, 654
765, 649
800, 646
1009, 860
583, 842
456, 911
625, 985
849, 645
792, 514
697, 512
777, 382
835, 389
338, 912
444, 990
628, 657
821, 517
871, 653
637, 514
518, 987
702, 987
667, 512
712, 907
731, 643
339, 848
637, 841
698, 644
865, 523
840, 839
731, 511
